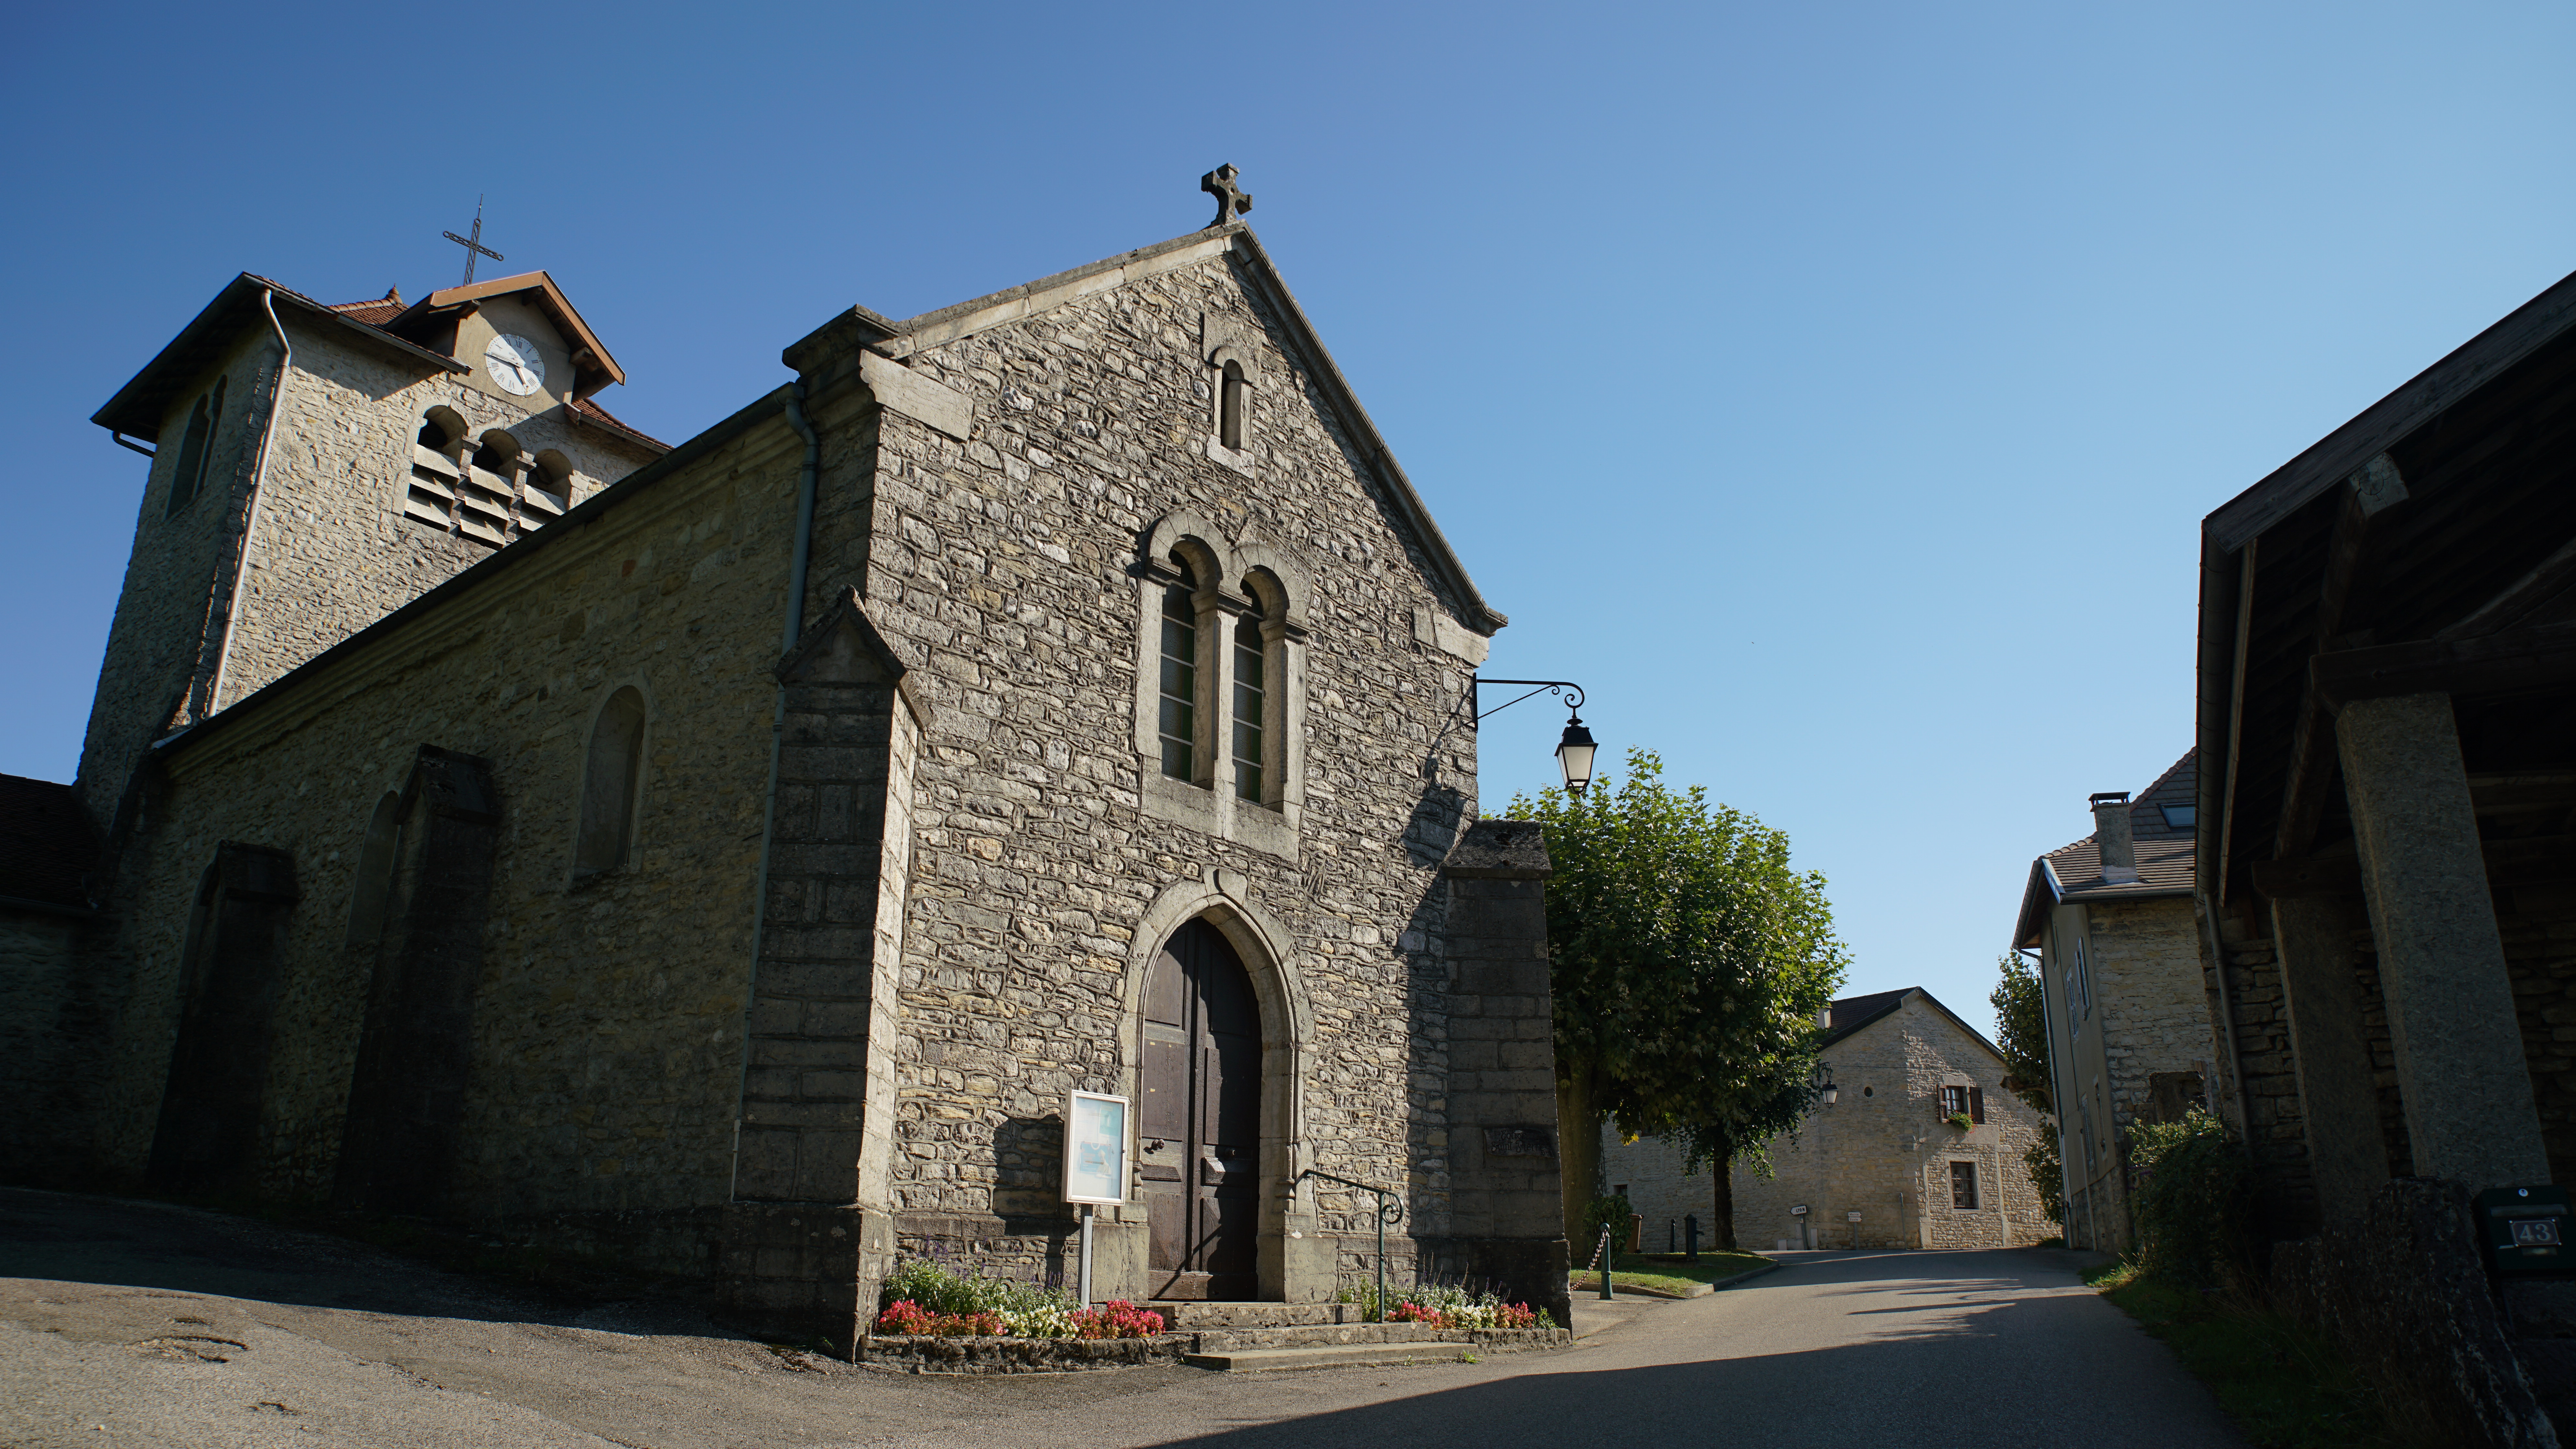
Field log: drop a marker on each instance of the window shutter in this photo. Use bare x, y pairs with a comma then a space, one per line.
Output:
1976, 1104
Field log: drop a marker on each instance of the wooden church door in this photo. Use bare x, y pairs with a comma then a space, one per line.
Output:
1199, 1119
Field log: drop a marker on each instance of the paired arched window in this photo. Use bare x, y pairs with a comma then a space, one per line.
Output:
548, 490
1219, 691
1177, 721
607, 832
1251, 704
196, 445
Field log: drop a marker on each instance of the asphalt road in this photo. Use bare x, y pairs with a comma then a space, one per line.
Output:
127, 1323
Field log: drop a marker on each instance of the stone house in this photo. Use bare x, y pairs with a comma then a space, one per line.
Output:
2110, 918
734, 872
1881, 1165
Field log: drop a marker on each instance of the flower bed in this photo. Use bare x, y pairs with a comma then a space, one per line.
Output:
988, 1355
1443, 1305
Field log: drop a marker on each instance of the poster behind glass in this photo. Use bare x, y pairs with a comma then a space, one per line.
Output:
1095, 1149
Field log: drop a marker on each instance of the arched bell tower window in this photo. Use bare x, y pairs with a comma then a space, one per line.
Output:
195, 446
609, 777
437, 469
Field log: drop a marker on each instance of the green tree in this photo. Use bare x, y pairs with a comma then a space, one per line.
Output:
2021, 1030
1688, 965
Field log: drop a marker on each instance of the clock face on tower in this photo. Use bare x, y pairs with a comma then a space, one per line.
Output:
515, 364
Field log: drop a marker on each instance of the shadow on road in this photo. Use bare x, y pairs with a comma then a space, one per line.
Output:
126, 1242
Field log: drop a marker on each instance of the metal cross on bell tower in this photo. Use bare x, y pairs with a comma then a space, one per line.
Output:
1230, 202
473, 244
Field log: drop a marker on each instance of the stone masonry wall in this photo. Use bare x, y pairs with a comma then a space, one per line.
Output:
2150, 1016
1002, 565
2275, 1127
1883, 1151
154, 643
49, 1001
333, 552
608, 1028
329, 550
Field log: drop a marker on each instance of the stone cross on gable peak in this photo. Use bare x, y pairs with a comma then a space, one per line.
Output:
1231, 201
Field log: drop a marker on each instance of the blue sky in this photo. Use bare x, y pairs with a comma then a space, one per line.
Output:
1834, 390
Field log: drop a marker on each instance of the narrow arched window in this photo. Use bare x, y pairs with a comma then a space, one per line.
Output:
375, 879
1251, 706
608, 785
195, 446
1231, 402
1179, 722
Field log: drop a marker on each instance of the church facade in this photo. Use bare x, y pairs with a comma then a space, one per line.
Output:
728, 857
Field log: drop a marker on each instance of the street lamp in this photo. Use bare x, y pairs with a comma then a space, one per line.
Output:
1573, 752
1574, 755
1824, 1084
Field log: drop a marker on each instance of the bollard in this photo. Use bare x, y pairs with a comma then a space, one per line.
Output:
1691, 1253
1605, 1265
1668, 1235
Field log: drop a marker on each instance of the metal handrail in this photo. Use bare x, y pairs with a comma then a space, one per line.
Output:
1390, 1208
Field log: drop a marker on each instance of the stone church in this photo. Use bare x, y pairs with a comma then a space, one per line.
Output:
726, 857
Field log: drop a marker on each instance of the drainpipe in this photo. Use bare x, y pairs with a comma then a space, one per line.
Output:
800, 560
258, 493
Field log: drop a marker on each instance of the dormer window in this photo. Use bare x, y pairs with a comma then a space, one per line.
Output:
2179, 817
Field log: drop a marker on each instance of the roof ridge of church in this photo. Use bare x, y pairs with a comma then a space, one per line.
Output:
928, 329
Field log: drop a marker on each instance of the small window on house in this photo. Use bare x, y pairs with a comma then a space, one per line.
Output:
1963, 1185
1954, 1100
608, 785
1232, 401
375, 877
1250, 706
436, 472
2179, 817
196, 445
1179, 721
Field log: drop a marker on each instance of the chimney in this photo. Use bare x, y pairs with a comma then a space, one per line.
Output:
1825, 1017
2111, 833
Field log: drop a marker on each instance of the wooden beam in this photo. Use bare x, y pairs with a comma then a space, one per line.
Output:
2523, 659
2312, 742
2554, 575
2529, 858
2236, 714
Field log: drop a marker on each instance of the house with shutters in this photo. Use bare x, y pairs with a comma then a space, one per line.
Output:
729, 861
1917, 1145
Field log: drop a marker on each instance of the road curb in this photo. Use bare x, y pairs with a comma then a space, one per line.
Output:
1746, 1276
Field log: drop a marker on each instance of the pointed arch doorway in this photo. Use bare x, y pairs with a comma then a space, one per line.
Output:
1199, 1119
